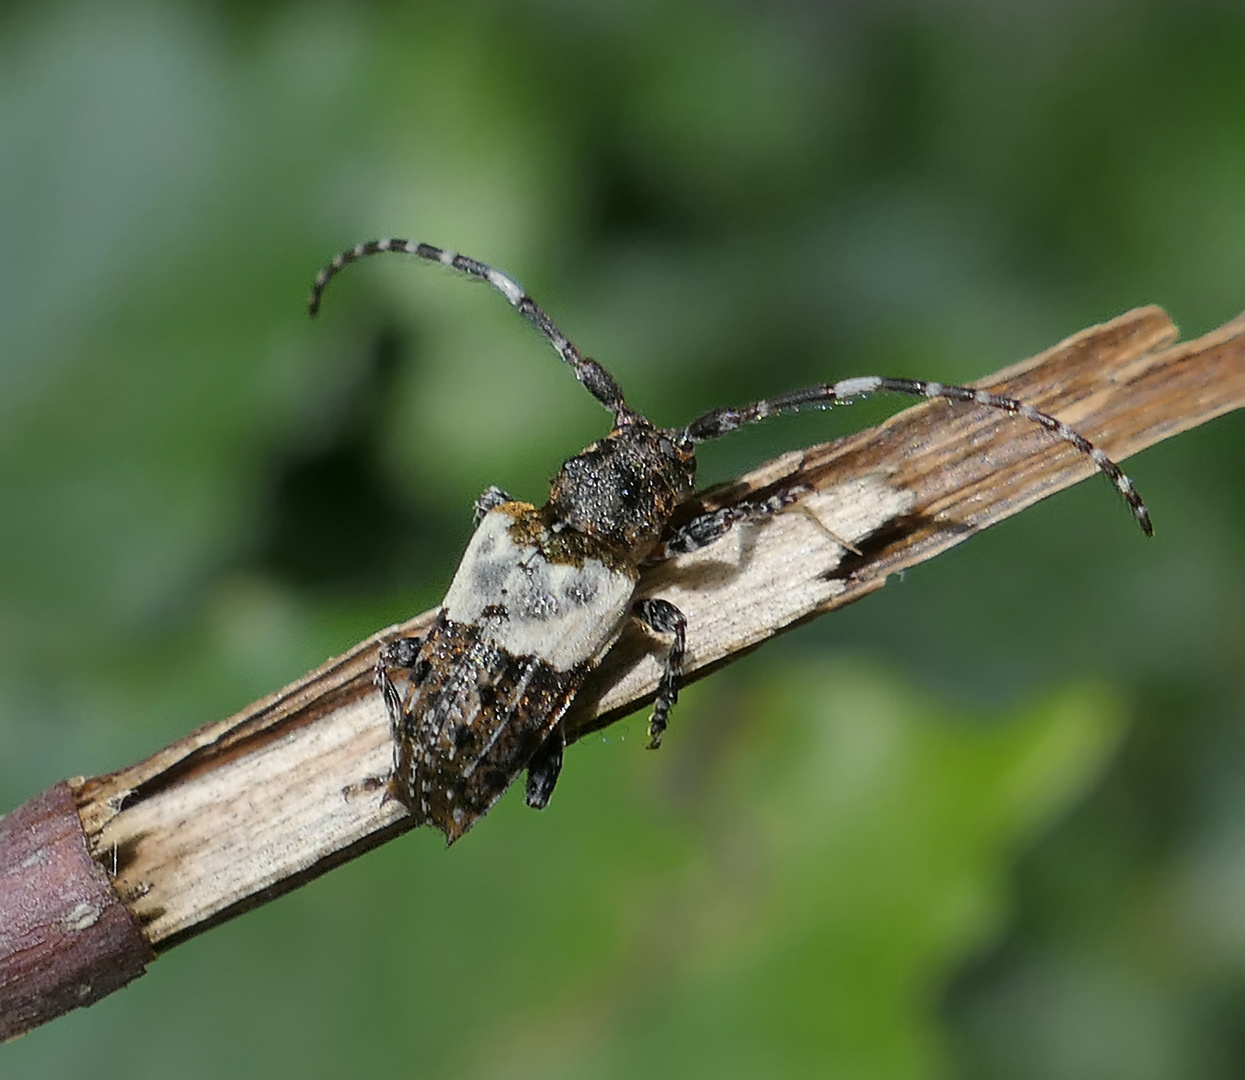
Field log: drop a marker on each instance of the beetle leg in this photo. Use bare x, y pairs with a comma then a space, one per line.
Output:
490, 498
402, 653
704, 529
663, 617
543, 769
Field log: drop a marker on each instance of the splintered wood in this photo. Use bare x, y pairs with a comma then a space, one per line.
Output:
247, 808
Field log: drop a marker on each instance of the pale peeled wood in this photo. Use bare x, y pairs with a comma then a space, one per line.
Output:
247, 808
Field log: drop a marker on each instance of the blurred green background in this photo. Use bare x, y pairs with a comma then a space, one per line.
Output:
926, 836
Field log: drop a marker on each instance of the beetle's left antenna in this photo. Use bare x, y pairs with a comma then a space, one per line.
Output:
597, 381
718, 422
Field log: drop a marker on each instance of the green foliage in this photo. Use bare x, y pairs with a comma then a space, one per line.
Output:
929, 835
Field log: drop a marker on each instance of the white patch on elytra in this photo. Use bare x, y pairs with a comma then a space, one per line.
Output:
559, 612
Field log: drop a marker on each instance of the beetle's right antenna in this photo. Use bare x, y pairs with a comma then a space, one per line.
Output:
597, 381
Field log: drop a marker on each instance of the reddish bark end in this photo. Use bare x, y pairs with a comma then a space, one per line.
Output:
66, 939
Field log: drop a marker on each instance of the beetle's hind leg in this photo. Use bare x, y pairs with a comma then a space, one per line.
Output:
663, 617
403, 654
543, 769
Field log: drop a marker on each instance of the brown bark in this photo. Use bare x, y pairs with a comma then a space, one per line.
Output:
66, 939
250, 807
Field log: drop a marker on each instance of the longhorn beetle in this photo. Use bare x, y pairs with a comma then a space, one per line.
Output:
543, 592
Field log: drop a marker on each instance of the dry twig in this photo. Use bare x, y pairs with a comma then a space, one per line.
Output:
245, 809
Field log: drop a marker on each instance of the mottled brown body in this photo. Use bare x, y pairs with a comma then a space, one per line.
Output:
474, 717
539, 597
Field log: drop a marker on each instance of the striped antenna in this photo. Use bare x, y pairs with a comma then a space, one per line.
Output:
597, 381
718, 422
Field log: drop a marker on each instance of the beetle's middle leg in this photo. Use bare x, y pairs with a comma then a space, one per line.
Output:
704, 529
663, 617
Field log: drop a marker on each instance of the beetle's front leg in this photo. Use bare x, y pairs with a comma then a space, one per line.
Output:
704, 529
663, 617
490, 498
